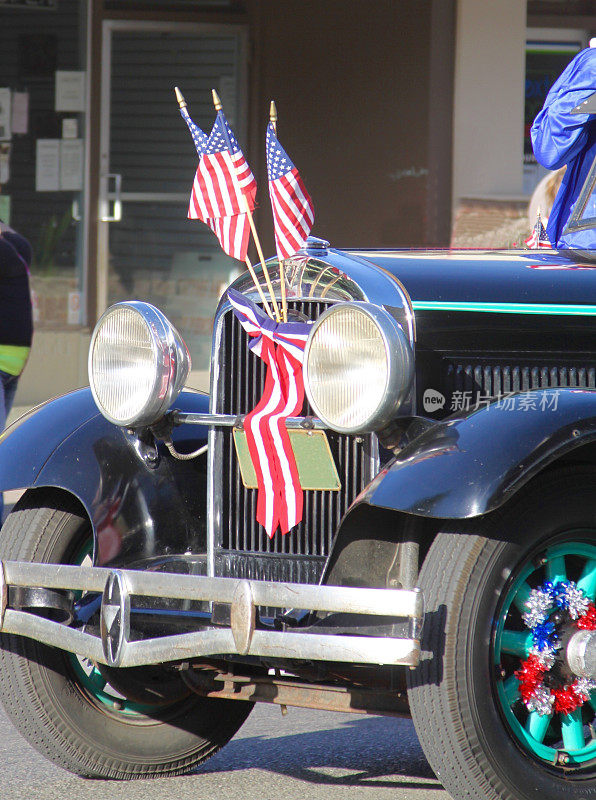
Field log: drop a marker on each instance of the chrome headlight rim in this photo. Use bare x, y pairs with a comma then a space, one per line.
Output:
172, 364
400, 367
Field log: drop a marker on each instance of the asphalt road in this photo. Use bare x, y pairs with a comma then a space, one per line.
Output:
307, 754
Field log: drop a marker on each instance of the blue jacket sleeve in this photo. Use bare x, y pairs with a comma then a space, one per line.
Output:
557, 135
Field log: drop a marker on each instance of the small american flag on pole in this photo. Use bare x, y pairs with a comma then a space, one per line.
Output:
199, 136
223, 177
293, 211
538, 238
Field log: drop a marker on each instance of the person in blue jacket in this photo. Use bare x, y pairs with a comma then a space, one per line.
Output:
562, 136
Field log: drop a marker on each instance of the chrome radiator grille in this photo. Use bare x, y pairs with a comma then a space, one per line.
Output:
242, 548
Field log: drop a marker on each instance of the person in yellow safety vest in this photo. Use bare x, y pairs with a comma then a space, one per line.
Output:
16, 318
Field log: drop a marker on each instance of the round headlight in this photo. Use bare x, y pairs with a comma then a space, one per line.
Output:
358, 367
138, 363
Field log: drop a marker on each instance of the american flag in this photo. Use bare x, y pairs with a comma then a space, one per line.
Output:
199, 137
293, 211
223, 177
233, 234
232, 230
538, 238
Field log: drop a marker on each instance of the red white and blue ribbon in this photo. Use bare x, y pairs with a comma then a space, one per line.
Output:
281, 346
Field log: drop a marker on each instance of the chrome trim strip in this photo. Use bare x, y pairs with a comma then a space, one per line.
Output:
213, 468
230, 420
544, 309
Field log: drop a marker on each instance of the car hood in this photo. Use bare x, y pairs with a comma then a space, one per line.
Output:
449, 279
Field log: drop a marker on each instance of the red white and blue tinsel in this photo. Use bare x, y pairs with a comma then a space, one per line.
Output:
534, 690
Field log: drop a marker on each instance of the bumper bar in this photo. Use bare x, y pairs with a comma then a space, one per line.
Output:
242, 637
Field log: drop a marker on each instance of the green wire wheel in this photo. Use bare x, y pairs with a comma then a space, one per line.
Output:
555, 738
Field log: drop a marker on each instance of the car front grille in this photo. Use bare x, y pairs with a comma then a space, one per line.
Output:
242, 547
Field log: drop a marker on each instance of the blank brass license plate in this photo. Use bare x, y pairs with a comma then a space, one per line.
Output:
316, 467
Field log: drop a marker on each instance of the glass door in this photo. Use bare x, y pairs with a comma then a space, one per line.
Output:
43, 150
148, 249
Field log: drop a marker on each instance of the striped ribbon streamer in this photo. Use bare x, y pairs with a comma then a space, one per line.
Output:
281, 346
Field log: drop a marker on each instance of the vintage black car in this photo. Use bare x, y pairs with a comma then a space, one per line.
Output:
444, 567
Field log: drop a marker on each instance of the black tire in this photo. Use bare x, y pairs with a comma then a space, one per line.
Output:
471, 737
55, 712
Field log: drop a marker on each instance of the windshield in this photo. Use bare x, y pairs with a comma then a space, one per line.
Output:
583, 215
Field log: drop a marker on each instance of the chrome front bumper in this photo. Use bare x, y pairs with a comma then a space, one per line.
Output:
242, 637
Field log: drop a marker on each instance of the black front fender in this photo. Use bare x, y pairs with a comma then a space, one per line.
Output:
467, 467
142, 509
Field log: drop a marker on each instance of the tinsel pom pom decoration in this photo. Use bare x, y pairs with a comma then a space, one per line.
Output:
546, 656
572, 599
539, 604
583, 687
542, 636
541, 701
534, 692
530, 677
566, 700
587, 622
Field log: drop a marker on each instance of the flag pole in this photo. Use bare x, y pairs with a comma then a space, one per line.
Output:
218, 106
282, 279
183, 109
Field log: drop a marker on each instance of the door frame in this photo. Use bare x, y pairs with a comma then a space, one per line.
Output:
110, 26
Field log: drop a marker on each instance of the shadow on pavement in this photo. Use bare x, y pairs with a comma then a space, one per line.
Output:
372, 749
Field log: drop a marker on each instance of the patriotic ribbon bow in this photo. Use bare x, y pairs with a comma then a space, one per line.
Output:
281, 346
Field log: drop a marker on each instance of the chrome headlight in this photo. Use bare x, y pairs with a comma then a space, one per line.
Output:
138, 363
358, 367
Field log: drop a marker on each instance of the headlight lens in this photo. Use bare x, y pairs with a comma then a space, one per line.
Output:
138, 363
358, 367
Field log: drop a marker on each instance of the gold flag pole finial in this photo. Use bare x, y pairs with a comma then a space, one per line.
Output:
180, 97
247, 211
282, 277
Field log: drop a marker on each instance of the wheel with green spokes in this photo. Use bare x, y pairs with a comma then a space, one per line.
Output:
556, 737
98, 722
497, 708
